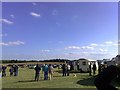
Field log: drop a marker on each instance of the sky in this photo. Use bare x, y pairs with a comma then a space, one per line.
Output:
69, 30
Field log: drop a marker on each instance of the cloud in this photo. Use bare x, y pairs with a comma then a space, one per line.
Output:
12, 16
83, 47
72, 47
116, 44
2, 35
102, 45
106, 44
3, 44
12, 43
44, 50
89, 55
94, 44
91, 48
35, 14
54, 12
103, 50
88, 47
78, 48
6, 21
109, 42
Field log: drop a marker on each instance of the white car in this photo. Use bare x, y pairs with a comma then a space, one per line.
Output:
31, 66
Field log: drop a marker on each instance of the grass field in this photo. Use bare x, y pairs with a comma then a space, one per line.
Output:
25, 79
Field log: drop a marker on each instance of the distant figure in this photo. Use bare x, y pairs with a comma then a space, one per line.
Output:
4, 71
37, 72
90, 69
71, 67
45, 69
15, 70
68, 70
50, 71
94, 68
0, 74
64, 67
11, 70
0, 71
104, 79
99, 68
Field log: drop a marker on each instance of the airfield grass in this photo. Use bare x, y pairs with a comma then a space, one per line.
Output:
25, 79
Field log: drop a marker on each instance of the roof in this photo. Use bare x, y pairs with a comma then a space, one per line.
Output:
87, 59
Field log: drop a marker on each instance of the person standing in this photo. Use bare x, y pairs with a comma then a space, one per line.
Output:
45, 69
50, 71
43, 66
15, 70
37, 72
0, 71
4, 71
90, 69
94, 68
99, 68
64, 67
68, 70
11, 70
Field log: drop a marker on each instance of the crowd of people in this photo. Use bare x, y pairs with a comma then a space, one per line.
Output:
66, 69
47, 71
94, 68
102, 81
13, 70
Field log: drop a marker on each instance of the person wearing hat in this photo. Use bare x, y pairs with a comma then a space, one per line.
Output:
104, 79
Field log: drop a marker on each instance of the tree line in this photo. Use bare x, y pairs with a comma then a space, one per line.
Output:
23, 61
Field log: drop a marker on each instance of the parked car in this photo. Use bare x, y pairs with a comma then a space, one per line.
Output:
31, 66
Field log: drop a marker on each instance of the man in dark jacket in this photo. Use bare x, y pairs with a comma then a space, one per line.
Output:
4, 71
15, 70
90, 69
104, 79
64, 67
94, 68
37, 72
11, 70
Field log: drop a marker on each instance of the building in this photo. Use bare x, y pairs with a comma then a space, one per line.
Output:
83, 64
116, 59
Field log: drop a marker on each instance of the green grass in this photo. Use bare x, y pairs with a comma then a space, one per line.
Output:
25, 79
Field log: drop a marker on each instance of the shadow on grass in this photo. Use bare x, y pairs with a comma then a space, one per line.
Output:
59, 71
57, 76
90, 81
30, 81
72, 71
87, 81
